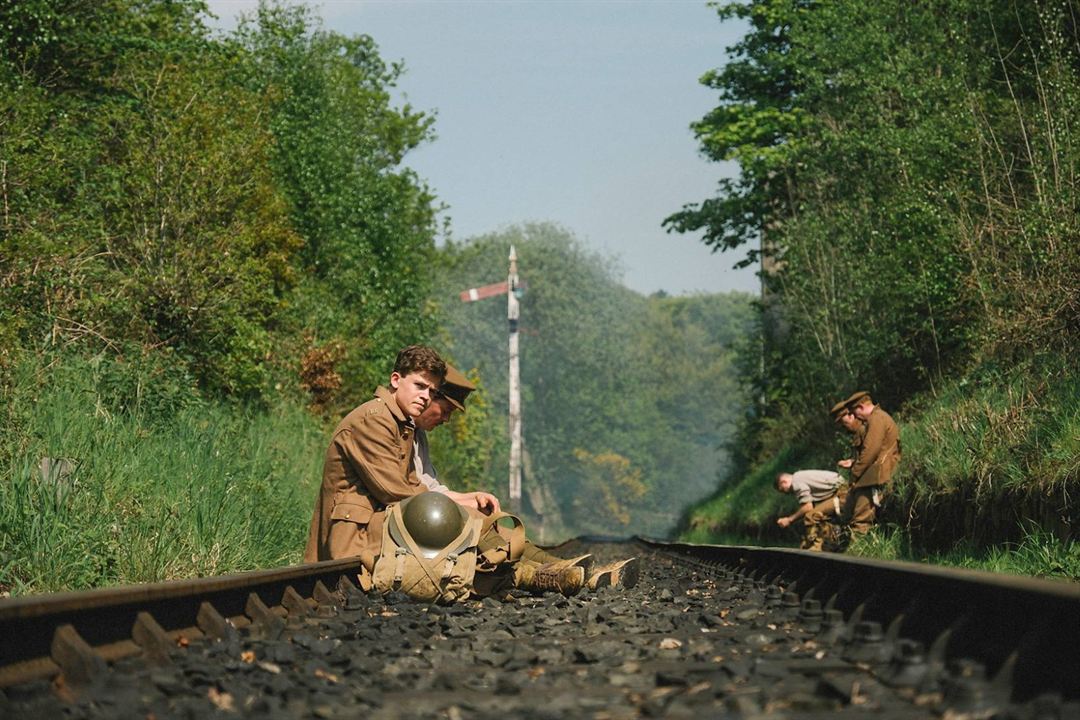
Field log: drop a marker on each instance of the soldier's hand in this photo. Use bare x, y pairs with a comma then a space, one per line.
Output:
783, 522
486, 503
846, 463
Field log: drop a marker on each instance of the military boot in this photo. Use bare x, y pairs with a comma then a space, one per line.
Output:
621, 573
549, 577
585, 562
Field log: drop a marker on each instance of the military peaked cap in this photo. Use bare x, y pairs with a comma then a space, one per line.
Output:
858, 399
839, 410
456, 387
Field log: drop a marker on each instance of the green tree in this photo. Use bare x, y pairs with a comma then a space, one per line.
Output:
139, 212
368, 222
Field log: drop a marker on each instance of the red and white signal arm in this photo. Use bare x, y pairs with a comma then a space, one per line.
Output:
474, 294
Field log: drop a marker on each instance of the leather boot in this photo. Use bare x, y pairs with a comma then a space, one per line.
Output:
585, 562
621, 573
549, 577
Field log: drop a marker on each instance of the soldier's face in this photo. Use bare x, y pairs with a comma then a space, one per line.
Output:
413, 391
863, 411
436, 413
849, 422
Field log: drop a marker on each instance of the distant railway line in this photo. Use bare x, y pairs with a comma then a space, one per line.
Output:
708, 630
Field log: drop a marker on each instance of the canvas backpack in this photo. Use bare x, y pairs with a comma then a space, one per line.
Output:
451, 575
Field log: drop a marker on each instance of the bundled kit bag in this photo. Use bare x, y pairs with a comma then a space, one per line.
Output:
435, 551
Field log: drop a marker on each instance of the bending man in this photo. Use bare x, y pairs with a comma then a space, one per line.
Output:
816, 491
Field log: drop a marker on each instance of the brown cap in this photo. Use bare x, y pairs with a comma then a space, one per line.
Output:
839, 410
456, 387
858, 399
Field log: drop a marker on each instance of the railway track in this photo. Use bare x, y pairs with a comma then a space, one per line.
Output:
747, 632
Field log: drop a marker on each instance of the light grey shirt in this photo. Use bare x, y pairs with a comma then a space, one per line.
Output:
422, 462
810, 486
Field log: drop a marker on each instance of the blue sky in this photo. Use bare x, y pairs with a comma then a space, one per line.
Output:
575, 112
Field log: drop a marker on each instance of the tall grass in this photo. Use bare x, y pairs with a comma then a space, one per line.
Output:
145, 493
1039, 553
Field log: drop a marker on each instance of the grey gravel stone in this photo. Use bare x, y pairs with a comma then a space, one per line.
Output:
682, 643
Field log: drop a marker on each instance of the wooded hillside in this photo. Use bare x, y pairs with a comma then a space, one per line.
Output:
909, 179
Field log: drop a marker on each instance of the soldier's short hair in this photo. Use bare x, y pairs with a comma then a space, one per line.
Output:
419, 359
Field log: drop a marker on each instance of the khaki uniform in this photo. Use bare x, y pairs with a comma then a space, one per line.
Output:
819, 487
872, 471
819, 533
857, 439
368, 464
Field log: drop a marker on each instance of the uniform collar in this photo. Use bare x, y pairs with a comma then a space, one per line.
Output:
388, 399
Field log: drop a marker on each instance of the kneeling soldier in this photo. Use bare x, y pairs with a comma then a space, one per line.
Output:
817, 492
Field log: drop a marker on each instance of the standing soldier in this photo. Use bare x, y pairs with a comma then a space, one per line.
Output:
853, 425
873, 468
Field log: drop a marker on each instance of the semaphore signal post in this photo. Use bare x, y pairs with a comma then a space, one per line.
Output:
512, 288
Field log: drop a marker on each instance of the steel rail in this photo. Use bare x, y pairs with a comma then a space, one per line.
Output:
1026, 628
39, 634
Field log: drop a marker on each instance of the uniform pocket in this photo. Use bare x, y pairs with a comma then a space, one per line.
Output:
353, 512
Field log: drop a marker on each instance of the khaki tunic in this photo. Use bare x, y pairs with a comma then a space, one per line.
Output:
880, 451
368, 464
857, 439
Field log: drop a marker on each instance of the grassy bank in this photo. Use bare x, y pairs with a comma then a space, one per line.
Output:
990, 462
96, 491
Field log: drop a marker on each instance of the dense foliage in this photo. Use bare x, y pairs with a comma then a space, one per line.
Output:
91, 497
909, 178
233, 202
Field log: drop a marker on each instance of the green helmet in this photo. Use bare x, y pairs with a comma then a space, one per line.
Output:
433, 521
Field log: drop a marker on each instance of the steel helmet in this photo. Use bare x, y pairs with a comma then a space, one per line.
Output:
433, 521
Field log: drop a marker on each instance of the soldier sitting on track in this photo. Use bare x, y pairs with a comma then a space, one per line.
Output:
369, 465
450, 396
818, 495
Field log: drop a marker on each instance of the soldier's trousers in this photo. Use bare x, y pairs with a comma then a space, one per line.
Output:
818, 528
859, 510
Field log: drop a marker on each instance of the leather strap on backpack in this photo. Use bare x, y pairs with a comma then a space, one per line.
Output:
513, 544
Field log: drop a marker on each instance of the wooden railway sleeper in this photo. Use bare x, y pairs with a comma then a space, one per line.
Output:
330, 603
354, 597
264, 623
152, 638
79, 664
214, 624
296, 605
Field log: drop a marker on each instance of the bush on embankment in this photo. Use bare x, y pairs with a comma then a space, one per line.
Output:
990, 465
119, 473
